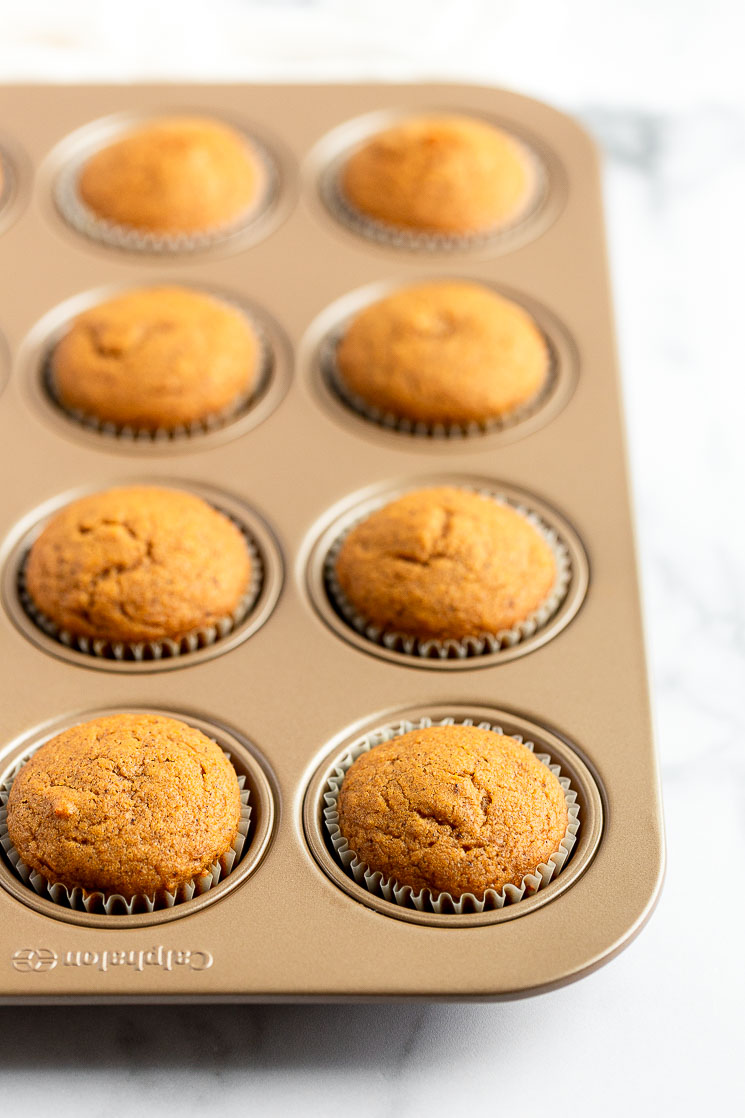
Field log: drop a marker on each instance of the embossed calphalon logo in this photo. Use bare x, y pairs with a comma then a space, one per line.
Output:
34, 959
30, 960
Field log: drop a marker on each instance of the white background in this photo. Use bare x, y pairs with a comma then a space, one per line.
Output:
659, 1031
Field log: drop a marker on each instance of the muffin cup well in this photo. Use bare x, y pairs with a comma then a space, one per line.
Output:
472, 646
425, 901
166, 648
402, 237
84, 220
113, 904
213, 422
420, 428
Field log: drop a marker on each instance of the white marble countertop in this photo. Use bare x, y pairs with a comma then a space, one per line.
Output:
660, 1029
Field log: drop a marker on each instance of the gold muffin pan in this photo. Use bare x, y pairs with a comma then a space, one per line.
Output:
294, 684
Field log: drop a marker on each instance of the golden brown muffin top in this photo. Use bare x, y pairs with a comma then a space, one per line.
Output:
445, 563
440, 174
127, 804
156, 358
452, 809
174, 175
136, 564
447, 352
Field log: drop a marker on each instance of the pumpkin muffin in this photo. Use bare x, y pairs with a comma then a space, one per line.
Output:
443, 353
156, 358
452, 809
177, 175
450, 175
445, 563
138, 564
129, 804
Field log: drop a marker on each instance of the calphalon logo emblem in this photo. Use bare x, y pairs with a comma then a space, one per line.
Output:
30, 960
34, 959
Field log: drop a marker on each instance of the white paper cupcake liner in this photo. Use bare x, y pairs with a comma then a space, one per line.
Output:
402, 237
166, 648
113, 235
205, 426
114, 904
481, 644
420, 428
425, 901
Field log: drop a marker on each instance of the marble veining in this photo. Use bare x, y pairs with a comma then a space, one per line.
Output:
660, 1029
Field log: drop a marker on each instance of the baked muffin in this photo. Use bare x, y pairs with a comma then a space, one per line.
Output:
138, 564
445, 563
129, 804
443, 353
451, 175
156, 358
176, 175
452, 809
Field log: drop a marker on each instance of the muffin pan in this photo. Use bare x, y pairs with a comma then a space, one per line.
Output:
294, 685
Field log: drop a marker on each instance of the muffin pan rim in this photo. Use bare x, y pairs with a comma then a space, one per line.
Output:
326, 331
61, 165
357, 505
324, 161
262, 952
18, 541
36, 347
265, 800
584, 779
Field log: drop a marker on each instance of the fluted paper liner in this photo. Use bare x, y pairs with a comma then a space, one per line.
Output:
421, 428
215, 421
425, 901
86, 221
114, 904
403, 237
481, 644
166, 648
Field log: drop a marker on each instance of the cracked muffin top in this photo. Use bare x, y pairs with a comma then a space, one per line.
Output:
452, 809
138, 564
447, 352
451, 175
128, 804
445, 563
156, 358
176, 175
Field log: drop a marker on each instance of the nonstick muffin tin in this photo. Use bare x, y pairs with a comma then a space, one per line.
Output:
292, 688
